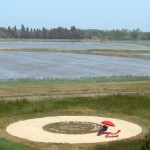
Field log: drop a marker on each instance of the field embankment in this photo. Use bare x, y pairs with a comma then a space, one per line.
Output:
137, 54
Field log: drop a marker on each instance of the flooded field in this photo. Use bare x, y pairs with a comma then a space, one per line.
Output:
15, 65
137, 42
73, 45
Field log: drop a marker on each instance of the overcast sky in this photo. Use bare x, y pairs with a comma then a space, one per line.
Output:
84, 14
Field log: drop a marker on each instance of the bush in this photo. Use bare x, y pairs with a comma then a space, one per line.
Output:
146, 143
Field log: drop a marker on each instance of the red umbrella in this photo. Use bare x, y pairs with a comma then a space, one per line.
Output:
109, 123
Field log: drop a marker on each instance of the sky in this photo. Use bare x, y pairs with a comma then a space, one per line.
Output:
84, 14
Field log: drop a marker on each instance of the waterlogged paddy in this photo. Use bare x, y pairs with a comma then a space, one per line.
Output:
62, 65
72, 45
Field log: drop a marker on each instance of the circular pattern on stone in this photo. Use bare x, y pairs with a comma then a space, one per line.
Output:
72, 127
32, 130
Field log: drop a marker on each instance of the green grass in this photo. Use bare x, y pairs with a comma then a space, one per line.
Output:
108, 50
135, 105
121, 145
51, 82
88, 51
146, 143
9, 145
134, 108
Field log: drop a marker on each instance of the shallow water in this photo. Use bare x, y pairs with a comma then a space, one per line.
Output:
62, 65
72, 45
144, 54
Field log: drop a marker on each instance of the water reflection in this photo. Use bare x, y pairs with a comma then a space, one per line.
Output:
72, 45
62, 65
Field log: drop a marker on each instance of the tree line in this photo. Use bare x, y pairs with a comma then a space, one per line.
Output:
73, 33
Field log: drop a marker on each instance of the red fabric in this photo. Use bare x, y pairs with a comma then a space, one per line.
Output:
109, 123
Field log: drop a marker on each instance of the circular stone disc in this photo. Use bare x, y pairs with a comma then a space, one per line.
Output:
32, 130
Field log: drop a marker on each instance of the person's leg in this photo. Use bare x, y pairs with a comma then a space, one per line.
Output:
100, 132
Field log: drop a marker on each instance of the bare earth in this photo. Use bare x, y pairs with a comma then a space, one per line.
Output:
32, 130
97, 89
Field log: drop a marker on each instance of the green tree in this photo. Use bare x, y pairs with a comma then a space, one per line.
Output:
3, 32
135, 34
15, 32
73, 32
24, 32
44, 33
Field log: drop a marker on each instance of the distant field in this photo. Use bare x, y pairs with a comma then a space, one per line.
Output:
46, 40
139, 42
125, 52
138, 54
36, 89
29, 82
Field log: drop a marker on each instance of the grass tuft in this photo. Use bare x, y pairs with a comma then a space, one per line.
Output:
9, 145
